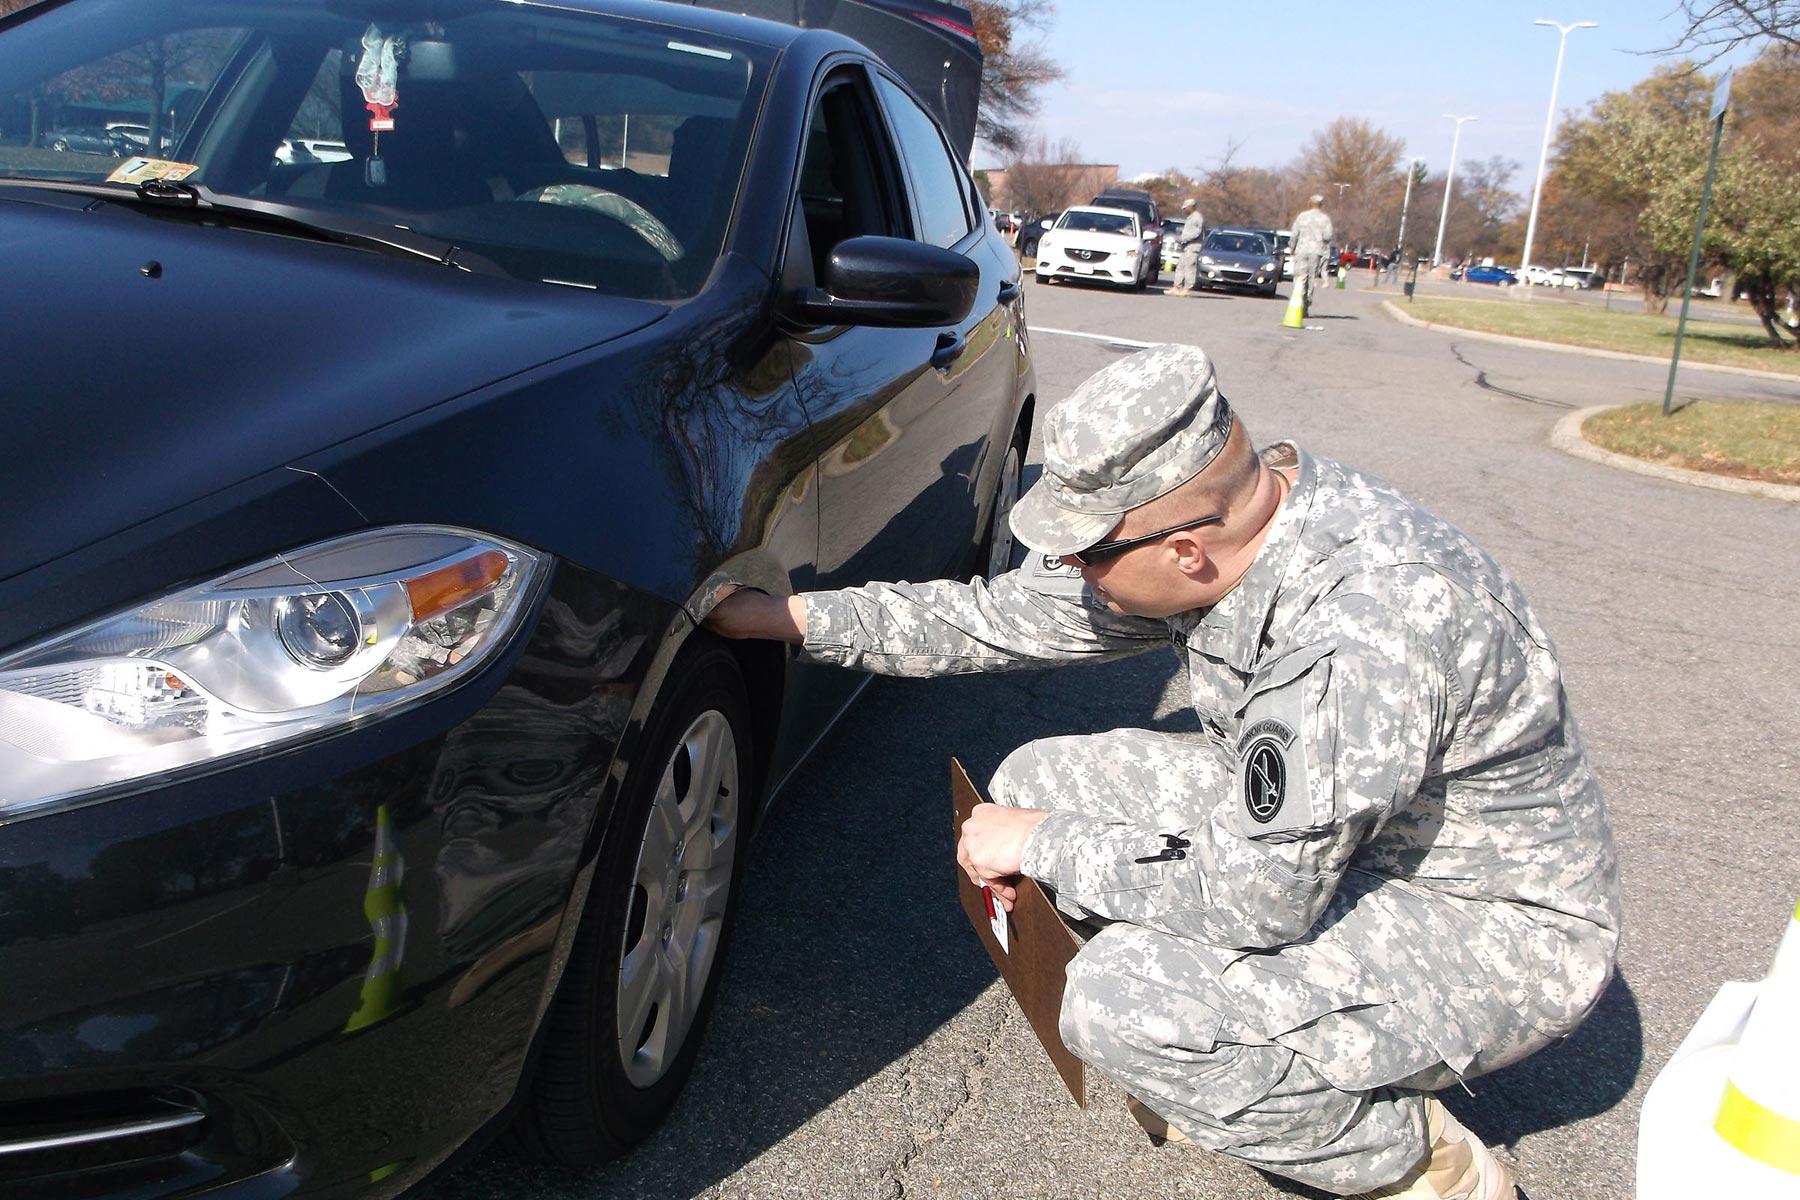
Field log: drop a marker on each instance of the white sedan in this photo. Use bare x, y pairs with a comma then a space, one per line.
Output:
1103, 244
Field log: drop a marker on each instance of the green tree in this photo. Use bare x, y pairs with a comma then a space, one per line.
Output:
1753, 225
1614, 160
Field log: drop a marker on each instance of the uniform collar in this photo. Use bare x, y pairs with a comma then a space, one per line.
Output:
1232, 629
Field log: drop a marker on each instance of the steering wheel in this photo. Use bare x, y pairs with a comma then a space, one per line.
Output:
630, 213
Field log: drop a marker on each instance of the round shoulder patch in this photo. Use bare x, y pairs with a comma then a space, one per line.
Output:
1263, 749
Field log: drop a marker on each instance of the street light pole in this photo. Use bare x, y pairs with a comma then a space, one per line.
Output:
1437, 254
1537, 188
1405, 203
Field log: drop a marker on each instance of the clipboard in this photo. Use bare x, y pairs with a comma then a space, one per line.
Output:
1035, 966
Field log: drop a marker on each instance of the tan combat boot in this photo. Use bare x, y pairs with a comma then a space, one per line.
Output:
1460, 1167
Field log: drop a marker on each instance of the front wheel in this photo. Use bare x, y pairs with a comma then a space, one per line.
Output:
623, 1030
997, 547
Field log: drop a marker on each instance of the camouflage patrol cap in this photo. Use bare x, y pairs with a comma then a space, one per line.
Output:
1130, 433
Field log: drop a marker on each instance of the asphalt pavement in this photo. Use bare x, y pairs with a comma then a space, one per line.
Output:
861, 1046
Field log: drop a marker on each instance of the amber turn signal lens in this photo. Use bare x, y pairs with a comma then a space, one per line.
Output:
449, 587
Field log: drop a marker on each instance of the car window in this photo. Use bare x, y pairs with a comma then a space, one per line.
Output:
1098, 222
111, 99
847, 182
547, 144
1236, 243
938, 193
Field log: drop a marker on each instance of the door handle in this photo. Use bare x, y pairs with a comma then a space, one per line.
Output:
1009, 291
949, 348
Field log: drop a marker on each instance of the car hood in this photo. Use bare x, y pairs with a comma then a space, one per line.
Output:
151, 363
1237, 258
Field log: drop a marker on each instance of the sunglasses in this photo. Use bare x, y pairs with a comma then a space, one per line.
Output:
1101, 551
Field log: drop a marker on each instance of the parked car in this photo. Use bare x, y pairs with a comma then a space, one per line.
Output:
1581, 277
305, 149
85, 139
367, 780
1170, 234
1106, 245
1239, 258
1034, 229
1479, 274
1142, 203
136, 138
1284, 247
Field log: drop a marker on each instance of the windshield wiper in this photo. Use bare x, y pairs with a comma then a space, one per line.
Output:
202, 201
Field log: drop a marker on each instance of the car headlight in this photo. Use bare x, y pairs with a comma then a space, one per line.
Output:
1268, 266
1132, 253
1206, 260
304, 643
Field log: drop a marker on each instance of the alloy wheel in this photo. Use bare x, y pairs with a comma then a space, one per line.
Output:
681, 892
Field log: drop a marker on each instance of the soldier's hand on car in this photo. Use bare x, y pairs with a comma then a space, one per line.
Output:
992, 846
742, 612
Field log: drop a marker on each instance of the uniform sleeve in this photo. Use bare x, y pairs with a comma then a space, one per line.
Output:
1334, 737
1034, 617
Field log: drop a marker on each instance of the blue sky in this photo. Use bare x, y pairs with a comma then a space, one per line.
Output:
1269, 74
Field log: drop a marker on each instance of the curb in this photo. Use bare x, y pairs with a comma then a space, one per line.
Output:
1567, 437
1508, 340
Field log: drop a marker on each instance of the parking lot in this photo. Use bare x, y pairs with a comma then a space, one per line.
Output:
862, 1048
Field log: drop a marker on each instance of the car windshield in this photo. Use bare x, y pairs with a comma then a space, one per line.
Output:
1236, 243
535, 142
1097, 222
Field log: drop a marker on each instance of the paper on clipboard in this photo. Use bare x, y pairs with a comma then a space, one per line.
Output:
1035, 960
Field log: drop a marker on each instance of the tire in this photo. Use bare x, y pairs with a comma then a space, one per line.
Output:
997, 547
1041, 278
61, 145
621, 1035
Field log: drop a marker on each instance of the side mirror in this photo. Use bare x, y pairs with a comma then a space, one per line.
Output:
891, 282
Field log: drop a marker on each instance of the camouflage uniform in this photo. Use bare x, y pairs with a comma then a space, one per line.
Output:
1384, 865
1312, 235
1187, 266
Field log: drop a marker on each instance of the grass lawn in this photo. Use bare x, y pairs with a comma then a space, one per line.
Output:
1729, 345
1750, 440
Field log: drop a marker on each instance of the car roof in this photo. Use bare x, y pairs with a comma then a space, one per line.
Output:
1100, 208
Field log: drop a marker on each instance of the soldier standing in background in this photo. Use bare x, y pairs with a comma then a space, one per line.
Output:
1384, 865
1187, 267
1312, 234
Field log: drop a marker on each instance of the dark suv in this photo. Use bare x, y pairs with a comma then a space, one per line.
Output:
1149, 219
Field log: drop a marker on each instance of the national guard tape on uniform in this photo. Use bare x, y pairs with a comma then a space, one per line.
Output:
1312, 236
1383, 865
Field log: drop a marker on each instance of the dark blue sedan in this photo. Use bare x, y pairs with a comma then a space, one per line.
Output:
367, 780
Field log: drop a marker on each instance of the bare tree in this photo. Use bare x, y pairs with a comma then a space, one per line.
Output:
1351, 151
1041, 178
1715, 27
1014, 66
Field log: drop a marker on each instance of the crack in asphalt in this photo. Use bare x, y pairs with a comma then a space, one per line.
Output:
893, 1180
1482, 381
